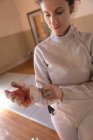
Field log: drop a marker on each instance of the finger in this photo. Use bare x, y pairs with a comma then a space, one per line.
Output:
18, 85
17, 98
12, 97
7, 93
14, 94
47, 87
46, 93
51, 99
11, 93
47, 96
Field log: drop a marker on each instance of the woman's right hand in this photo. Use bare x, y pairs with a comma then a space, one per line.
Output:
21, 95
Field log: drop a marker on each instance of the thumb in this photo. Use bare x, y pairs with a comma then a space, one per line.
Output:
7, 93
19, 85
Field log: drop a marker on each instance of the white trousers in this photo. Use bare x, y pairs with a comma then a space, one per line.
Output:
73, 120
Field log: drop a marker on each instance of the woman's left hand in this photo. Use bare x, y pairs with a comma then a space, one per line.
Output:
51, 92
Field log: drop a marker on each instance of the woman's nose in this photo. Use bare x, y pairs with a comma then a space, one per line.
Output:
54, 21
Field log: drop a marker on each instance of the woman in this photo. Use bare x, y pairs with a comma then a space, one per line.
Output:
63, 72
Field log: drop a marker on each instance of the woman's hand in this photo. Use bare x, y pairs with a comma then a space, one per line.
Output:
21, 95
51, 92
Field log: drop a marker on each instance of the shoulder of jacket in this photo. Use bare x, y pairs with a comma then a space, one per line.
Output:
85, 35
43, 43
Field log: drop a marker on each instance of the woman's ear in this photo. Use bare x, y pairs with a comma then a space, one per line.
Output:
71, 9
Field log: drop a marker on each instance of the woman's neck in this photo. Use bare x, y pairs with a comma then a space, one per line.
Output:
65, 31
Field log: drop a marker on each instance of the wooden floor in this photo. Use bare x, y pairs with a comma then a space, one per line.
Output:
15, 127
25, 68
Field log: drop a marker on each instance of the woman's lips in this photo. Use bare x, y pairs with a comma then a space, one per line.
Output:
56, 28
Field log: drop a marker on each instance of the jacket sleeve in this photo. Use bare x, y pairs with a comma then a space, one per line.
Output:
81, 91
41, 75
41, 69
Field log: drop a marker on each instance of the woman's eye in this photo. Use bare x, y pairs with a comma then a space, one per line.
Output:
59, 13
47, 15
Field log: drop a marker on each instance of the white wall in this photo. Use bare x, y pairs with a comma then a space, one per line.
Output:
24, 7
84, 8
9, 19
13, 47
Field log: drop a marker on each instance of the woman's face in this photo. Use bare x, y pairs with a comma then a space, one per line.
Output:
57, 15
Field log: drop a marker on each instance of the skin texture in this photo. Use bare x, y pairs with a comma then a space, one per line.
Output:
20, 96
57, 15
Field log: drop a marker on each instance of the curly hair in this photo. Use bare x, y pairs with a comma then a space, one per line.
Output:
70, 2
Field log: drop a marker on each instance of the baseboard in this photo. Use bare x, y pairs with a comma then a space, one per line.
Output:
18, 62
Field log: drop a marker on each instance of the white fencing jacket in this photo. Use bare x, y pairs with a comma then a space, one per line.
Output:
66, 62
